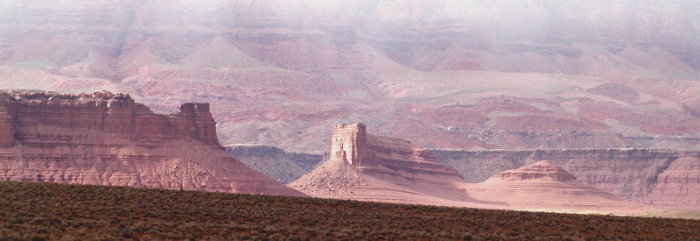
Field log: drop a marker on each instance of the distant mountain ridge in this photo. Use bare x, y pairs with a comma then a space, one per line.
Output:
445, 74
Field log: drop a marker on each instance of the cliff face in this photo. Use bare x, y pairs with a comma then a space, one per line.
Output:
679, 183
379, 155
108, 139
647, 175
42, 119
368, 167
7, 119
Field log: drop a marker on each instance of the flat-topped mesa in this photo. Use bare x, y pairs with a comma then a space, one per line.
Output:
352, 144
109, 139
541, 170
45, 119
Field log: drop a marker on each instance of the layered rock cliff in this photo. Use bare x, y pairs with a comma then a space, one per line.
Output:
368, 167
46, 119
544, 185
386, 156
667, 177
542, 170
109, 139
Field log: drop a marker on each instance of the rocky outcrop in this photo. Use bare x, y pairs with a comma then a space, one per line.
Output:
545, 186
635, 174
274, 162
385, 156
374, 168
46, 119
543, 170
369, 167
109, 139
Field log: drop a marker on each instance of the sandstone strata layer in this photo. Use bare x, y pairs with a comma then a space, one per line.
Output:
545, 186
46, 119
543, 170
362, 166
109, 139
369, 167
652, 176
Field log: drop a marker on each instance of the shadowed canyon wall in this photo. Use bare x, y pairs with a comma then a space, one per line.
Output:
276, 163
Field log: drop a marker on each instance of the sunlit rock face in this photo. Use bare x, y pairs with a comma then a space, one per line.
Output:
543, 184
367, 167
43, 119
456, 74
362, 166
652, 176
542, 170
109, 139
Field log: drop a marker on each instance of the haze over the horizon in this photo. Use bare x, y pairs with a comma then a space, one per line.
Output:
451, 74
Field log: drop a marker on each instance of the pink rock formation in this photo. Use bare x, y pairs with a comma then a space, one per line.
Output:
545, 186
352, 144
374, 168
678, 185
44, 118
651, 176
544, 170
369, 167
109, 139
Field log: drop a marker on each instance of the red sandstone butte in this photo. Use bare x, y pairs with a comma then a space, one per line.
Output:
545, 186
362, 166
375, 168
109, 139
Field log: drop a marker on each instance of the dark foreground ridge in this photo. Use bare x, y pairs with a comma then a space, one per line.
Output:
66, 212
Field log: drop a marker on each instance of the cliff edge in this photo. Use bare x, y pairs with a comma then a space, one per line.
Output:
108, 139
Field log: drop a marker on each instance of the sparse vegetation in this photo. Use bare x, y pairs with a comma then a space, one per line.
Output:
40, 211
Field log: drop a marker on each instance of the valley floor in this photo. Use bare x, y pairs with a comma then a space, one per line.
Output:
40, 211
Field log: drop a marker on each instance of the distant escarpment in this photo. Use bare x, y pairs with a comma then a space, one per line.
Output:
108, 139
274, 162
654, 176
